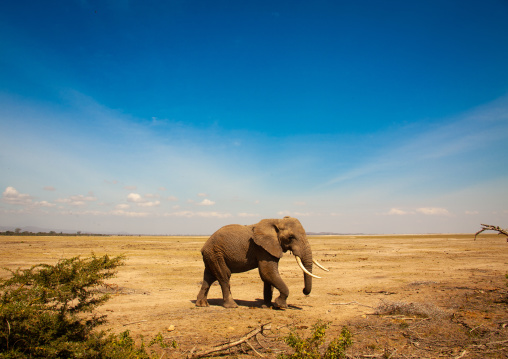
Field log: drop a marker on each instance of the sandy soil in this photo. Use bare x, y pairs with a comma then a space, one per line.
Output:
461, 280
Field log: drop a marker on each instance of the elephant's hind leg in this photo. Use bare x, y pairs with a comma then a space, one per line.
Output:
222, 272
208, 280
223, 279
229, 302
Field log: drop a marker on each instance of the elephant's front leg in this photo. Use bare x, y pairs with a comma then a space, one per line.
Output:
267, 294
269, 272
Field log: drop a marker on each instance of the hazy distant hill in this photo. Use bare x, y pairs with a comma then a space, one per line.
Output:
34, 229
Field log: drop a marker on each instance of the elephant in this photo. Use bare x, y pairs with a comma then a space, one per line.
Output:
239, 248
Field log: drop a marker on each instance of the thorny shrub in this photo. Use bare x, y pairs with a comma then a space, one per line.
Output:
46, 311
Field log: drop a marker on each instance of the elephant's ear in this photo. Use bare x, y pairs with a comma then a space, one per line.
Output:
265, 235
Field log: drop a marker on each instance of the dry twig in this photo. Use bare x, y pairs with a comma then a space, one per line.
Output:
139, 321
488, 227
380, 292
244, 339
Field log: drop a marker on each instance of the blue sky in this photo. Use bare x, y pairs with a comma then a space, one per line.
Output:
178, 117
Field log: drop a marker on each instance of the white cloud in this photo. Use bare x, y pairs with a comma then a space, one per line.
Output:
116, 212
89, 198
120, 212
433, 211
63, 200
44, 204
77, 200
471, 213
149, 204
398, 212
206, 202
134, 197
300, 203
49, 188
245, 215
213, 214
283, 213
131, 188
430, 211
202, 195
12, 196
172, 199
180, 214
122, 206
13, 211
302, 214
142, 202
190, 214
294, 214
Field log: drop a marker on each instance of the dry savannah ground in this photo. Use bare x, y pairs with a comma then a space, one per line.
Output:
401, 296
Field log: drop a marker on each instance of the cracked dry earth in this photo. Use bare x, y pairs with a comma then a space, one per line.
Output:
401, 296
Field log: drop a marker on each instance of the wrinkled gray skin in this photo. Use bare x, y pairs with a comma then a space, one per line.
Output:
236, 248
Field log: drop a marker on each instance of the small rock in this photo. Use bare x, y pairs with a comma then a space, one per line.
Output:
171, 328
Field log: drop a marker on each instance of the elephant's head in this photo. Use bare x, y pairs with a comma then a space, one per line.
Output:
281, 235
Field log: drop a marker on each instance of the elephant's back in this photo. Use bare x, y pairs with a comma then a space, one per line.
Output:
227, 235
232, 243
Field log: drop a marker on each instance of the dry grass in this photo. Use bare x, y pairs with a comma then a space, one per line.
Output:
420, 310
437, 295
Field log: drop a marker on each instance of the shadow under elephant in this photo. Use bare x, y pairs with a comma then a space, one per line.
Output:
258, 303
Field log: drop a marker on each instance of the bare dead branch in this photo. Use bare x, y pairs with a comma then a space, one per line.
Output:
240, 341
380, 292
400, 317
255, 351
488, 227
498, 342
259, 343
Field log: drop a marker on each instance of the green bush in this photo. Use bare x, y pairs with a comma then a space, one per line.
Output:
309, 348
337, 348
47, 312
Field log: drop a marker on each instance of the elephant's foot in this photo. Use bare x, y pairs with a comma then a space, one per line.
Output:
280, 303
202, 303
230, 303
266, 304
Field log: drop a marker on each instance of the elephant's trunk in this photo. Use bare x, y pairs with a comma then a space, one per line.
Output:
305, 262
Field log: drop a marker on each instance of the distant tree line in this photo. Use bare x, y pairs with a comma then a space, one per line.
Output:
19, 232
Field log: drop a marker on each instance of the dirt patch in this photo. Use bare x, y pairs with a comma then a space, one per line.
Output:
411, 296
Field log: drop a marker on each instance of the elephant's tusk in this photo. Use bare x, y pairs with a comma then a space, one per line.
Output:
319, 265
299, 261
